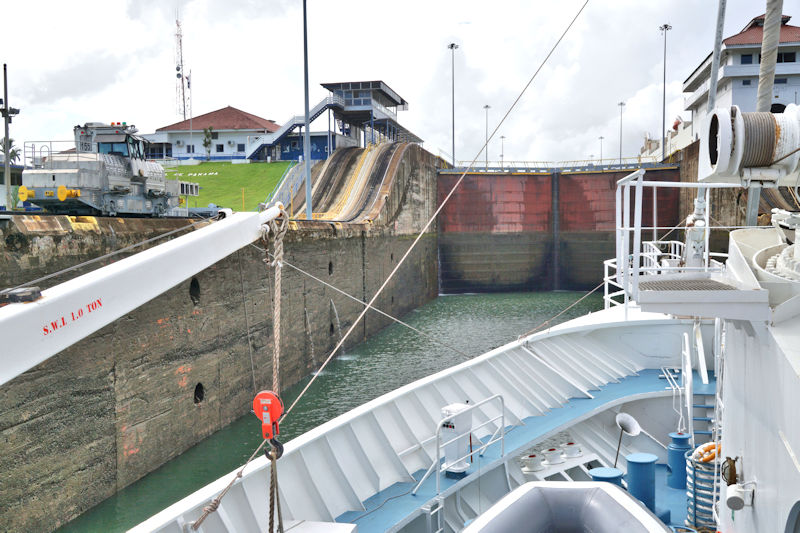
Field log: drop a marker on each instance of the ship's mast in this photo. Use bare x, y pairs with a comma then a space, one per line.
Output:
180, 88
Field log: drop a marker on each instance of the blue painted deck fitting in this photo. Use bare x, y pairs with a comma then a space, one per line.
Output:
669, 498
395, 503
607, 474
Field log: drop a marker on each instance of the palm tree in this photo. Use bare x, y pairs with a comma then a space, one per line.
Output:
207, 141
13, 153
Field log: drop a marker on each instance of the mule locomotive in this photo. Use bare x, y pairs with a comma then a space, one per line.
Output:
106, 173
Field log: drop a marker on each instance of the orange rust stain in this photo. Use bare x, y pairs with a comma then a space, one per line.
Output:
127, 452
197, 312
183, 371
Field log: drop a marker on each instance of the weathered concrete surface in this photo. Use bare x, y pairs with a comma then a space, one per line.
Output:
508, 232
117, 405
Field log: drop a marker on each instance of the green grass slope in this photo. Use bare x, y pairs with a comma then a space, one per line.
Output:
222, 183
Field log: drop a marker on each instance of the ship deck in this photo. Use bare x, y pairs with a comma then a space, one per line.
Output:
396, 505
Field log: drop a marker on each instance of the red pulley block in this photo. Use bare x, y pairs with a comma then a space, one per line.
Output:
268, 407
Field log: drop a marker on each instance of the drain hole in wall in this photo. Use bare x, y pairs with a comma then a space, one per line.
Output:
199, 393
330, 268
391, 257
331, 330
392, 299
194, 291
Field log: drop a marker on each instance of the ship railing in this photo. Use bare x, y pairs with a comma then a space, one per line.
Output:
498, 435
436, 515
637, 258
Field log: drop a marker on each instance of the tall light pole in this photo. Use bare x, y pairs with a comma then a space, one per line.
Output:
601, 148
7, 113
502, 149
621, 105
306, 135
453, 47
486, 146
664, 29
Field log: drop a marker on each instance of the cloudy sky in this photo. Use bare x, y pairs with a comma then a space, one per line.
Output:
111, 60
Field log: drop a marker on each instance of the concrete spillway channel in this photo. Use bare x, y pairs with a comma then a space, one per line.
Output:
352, 185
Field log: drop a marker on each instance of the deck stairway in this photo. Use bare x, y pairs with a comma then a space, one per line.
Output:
703, 414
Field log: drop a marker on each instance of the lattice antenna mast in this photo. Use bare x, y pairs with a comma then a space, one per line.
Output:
180, 86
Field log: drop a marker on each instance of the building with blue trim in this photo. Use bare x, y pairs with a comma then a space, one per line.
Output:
358, 114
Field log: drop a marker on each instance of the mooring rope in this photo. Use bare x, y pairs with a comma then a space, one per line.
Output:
549, 320
112, 253
274, 494
278, 230
215, 502
435, 214
362, 302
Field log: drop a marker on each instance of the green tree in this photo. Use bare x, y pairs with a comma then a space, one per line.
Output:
207, 141
13, 152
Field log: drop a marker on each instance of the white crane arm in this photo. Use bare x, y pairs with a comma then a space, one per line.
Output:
32, 332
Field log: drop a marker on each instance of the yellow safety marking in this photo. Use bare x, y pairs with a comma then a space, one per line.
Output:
24, 193
84, 223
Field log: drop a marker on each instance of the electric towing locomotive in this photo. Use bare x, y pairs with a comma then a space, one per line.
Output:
106, 173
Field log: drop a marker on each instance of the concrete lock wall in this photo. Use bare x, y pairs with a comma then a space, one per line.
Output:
106, 411
535, 231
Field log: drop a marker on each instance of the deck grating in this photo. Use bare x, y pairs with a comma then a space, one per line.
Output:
685, 285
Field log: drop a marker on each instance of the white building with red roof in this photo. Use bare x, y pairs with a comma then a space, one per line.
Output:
738, 79
738, 72
231, 129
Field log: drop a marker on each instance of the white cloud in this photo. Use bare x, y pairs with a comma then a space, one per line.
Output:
101, 60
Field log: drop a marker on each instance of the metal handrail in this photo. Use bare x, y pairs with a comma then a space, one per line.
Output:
437, 463
626, 162
641, 258
255, 141
280, 181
